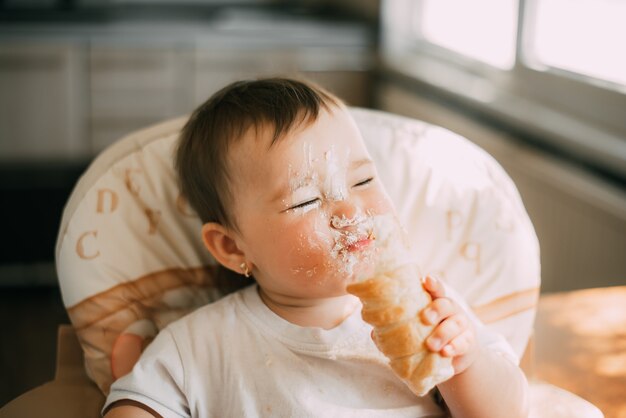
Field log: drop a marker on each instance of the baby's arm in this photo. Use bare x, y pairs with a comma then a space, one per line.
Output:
486, 384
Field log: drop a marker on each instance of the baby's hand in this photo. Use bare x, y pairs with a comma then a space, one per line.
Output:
453, 335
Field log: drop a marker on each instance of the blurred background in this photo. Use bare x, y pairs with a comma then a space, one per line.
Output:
540, 84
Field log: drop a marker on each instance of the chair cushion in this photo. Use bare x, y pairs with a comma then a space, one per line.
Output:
464, 217
130, 257
129, 254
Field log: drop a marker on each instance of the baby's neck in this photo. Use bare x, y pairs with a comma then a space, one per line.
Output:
322, 313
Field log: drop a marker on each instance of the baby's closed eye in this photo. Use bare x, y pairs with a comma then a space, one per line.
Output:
305, 204
364, 182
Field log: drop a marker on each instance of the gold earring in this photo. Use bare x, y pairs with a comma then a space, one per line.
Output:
244, 267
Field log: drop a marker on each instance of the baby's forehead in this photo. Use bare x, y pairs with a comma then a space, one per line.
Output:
250, 150
258, 140
252, 143
330, 135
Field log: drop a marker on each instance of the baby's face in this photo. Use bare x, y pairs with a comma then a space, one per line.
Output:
304, 207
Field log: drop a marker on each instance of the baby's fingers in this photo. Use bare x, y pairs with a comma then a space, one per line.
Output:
438, 310
446, 332
434, 287
459, 345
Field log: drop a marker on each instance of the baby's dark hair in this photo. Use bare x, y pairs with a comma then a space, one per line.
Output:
201, 157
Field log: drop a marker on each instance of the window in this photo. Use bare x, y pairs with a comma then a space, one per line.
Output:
482, 29
554, 68
587, 37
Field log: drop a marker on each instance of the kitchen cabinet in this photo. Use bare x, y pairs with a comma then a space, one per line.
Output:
70, 90
41, 100
343, 72
215, 67
132, 86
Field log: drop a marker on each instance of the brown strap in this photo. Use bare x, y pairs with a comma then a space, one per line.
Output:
130, 402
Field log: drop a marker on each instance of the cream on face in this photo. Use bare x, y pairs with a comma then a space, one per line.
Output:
347, 239
305, 208
355, 244
325, 178
361, 237
335, 185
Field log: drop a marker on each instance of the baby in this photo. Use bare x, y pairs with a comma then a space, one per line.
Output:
287, 193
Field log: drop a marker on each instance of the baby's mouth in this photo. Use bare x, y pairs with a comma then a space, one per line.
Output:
355, 242
354, 246
361, 243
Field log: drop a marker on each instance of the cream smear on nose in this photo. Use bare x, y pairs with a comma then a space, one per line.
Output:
335, 184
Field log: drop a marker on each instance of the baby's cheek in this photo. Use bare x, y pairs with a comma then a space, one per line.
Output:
315, 241
309, 249
311, 232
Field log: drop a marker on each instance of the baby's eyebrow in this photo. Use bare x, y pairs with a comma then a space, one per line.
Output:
287, 188
359, 163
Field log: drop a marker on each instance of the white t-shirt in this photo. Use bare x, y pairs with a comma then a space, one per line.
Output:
236, 358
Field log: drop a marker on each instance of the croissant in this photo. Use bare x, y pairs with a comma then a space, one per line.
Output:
392, 301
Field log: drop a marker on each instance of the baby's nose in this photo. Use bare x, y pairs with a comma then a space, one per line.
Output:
345, 216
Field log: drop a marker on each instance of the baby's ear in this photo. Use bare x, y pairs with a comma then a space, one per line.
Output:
222, 246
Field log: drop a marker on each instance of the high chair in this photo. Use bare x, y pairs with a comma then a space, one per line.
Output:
130, 258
